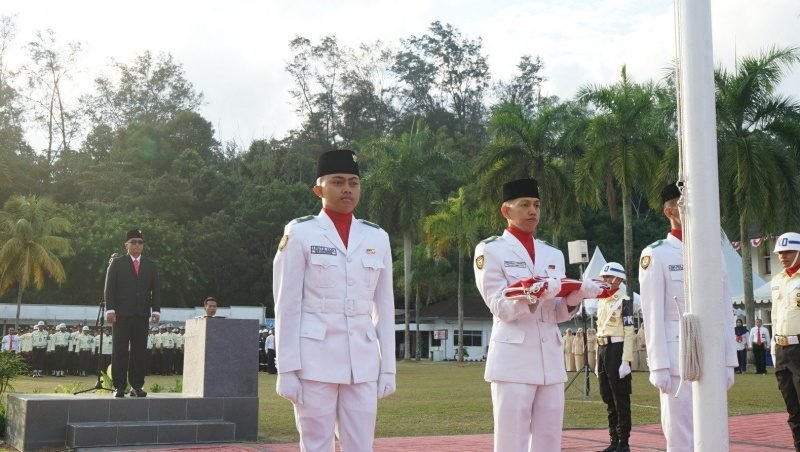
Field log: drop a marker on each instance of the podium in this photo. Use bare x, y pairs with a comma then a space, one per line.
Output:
220, 357
219, 403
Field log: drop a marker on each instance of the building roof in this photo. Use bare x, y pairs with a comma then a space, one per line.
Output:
474, 309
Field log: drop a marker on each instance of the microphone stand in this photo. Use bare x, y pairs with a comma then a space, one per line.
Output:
101, 320
586, 368
98, 386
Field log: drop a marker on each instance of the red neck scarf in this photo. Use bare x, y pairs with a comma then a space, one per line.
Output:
526, 239
791, 271
342, 222
678, 233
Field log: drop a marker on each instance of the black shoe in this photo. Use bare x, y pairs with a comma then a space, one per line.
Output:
611, 448
138, 393
120, 393
623, 447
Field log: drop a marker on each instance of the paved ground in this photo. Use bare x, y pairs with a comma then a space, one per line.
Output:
752, 433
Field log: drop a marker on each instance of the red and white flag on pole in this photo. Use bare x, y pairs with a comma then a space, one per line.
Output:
756, 242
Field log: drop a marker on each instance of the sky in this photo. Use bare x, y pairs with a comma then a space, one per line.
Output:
235, 51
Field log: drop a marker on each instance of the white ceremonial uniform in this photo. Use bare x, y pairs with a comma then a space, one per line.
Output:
334, 321
526, 349
661, 283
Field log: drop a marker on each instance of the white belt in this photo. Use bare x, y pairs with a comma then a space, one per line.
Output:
787, 340
605, 340
349, 307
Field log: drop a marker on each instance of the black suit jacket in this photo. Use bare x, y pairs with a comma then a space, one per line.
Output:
129, 294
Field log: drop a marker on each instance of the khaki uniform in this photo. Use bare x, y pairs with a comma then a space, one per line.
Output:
591, 343
785, 329
569, 357
615, 339
577, 351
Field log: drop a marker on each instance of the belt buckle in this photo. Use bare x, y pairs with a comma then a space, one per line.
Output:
782, 341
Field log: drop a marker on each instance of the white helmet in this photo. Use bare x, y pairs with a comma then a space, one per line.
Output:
613, 269
85, 328
789, 241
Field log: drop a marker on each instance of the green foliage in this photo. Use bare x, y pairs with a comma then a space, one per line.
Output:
178, 388
11, 367
155, 388
69, 388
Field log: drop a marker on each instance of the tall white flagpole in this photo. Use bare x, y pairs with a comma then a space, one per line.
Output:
701, 224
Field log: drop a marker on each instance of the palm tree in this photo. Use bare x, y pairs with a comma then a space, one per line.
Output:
32, 246
543, 146
758, 132
623, 147
402, 182
454, 227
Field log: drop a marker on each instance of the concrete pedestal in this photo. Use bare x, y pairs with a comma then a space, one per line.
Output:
220, 358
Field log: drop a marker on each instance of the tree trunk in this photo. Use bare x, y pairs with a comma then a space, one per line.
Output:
407, 291
418, 339
627, 231
460, 305
19, 305
747, 273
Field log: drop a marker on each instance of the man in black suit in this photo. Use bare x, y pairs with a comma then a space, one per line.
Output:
132, 291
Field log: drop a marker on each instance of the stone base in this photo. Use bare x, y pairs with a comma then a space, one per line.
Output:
36, 421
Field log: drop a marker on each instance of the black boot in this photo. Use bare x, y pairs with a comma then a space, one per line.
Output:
623, 446
613, 446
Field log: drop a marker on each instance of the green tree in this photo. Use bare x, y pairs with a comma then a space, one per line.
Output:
29, 227
402, 181
151, 90
454, 227
622, 152
541, 146
758, 131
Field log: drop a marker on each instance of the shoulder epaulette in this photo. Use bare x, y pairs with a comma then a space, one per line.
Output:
655, 244
490, 239
303, 219
370, 224
546, 243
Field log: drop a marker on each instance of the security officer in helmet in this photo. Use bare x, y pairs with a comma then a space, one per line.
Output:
786, 327
615, 338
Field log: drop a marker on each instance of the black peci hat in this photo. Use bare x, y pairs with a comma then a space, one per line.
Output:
134, 234
520, 188
670, 192
339, 161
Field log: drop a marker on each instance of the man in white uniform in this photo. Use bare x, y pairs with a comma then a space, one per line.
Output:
662, 294
526, 350
786, 326
334, 314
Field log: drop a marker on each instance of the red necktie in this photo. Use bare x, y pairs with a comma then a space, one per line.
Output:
758, 337
136, 266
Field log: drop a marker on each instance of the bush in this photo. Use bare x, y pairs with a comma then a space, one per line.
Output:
11, 367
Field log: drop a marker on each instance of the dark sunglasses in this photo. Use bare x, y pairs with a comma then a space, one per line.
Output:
136, 241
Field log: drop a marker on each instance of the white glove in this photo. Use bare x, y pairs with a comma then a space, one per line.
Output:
729, 377
624, 369
289, 387
662, 380
386, 385
590, 289
553, 288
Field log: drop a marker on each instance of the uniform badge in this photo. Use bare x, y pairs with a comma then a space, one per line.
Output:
551, 267
284, 241
372, 251
645, 262
479, 262
797, 299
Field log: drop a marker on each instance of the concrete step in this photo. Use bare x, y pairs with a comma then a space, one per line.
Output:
134, 433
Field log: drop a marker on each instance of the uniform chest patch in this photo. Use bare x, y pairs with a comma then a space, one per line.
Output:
551, 267
323, 250
515, 264
644, 262
676, 268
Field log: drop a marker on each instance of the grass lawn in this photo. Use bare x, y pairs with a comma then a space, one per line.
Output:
450, 398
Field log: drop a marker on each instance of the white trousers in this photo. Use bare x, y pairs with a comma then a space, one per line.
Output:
349, 410
676, 417
527, 418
